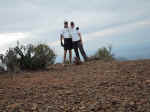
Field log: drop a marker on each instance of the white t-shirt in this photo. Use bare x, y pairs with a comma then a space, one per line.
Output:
66, 33
75, 34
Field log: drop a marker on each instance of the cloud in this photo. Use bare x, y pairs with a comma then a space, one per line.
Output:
125, 28
31, 15
41, 20
11, 37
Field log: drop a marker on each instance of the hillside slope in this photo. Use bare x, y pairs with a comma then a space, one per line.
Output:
95, 86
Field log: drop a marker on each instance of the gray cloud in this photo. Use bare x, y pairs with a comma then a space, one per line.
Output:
28, 15
43, 19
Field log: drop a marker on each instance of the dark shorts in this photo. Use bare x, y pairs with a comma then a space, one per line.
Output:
67, 43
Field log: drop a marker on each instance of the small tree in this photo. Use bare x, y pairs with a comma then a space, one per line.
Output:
25, 55
103, 53
29, 57
43, 56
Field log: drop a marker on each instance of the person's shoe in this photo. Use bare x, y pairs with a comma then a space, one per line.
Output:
70, 63
77, 61
63, 64
86, 59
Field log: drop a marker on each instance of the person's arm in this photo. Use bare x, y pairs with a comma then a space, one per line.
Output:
80, 37
61, 40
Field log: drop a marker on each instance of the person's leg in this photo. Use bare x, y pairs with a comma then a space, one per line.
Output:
65, 53
77, 53
82, 51
75, 46
70, 55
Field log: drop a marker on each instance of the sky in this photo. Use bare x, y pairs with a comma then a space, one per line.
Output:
122, 24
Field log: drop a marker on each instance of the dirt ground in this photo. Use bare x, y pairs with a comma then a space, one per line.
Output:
94, 86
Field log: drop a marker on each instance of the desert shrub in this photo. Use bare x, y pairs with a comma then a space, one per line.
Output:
24, 54
104, 53
30, 57
43, 56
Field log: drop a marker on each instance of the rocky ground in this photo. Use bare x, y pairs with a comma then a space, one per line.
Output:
94, 86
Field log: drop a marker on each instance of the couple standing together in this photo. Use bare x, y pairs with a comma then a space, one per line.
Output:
71, 39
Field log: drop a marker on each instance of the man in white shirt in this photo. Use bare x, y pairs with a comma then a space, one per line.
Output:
77, 42
66, 36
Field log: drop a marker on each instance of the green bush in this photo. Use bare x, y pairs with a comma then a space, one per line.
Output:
43, 56
103, 53
30, 57
25, 55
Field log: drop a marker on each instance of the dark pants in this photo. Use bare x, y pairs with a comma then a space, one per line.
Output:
77, 45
